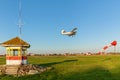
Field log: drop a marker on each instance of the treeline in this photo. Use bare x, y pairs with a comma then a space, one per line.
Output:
72, 54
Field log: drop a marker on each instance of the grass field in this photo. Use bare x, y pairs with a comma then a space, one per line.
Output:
106, 67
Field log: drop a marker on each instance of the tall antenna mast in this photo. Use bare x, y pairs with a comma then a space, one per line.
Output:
20, 19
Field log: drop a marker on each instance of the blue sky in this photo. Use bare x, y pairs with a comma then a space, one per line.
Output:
98, 23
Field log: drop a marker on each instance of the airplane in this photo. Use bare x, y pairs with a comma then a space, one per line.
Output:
71, 33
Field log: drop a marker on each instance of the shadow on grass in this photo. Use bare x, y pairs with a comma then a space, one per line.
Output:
98, 73
53, 63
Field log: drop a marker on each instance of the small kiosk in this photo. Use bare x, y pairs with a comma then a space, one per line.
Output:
16, 51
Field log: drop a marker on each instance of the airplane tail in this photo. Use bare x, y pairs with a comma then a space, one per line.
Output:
63, 31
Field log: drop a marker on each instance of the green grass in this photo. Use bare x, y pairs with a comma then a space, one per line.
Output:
106, 67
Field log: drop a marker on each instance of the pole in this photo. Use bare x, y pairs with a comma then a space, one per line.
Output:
20, 19
114, 49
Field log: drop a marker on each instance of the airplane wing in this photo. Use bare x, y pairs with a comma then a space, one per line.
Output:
74, 29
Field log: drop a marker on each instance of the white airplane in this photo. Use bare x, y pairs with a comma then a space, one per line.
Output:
71, 33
